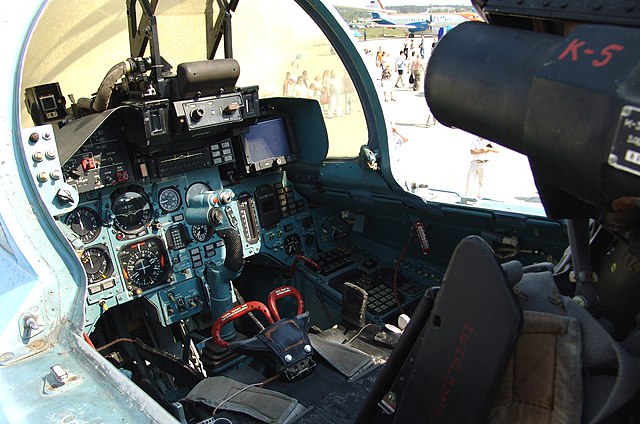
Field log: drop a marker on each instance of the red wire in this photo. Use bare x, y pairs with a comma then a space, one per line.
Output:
301, 257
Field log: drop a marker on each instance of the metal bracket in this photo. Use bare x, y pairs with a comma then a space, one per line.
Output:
222, 26
143, 32
29, 325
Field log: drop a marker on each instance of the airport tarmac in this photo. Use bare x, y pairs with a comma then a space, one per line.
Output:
439, 156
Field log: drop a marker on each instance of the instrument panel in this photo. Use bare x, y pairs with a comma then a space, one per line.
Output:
152, 235
102, 161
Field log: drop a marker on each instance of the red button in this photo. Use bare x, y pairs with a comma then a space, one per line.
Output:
88, 163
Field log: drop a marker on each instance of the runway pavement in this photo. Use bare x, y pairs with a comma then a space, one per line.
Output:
439, 156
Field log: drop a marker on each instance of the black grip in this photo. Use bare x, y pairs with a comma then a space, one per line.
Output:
234, 260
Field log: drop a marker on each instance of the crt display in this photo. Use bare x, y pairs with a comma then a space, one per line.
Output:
267, 140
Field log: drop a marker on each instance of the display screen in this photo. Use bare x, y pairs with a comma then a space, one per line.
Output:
48, 103
265, 142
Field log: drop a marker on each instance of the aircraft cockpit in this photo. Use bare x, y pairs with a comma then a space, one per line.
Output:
196, 237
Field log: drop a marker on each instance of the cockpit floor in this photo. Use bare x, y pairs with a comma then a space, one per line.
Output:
327, 394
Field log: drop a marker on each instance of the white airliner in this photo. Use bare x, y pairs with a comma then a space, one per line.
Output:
412, 22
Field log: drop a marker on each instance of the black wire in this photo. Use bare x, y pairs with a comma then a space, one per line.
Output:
397, 269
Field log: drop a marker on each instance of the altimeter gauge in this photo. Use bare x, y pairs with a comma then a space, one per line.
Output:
85, 222
97, 264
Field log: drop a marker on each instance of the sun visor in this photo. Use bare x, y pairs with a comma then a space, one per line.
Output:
73, 135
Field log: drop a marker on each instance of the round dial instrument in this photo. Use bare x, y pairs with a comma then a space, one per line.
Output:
169, 199
195, 189
97, 264
132, 212
145, 263
292, 244
201, 233
85, 222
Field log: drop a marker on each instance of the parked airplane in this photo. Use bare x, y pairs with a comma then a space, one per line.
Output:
193, 243
412, 22
417, 22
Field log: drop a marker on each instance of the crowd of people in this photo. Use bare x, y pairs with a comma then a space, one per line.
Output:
405, 68
409, 63
333, 92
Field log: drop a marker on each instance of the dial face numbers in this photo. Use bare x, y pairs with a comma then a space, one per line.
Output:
132, 212
97, 264
195, 189
201, 233
292, 244
145, 263
85, 222
169, 199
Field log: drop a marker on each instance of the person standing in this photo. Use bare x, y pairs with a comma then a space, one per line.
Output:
396, 141
300, 89
400, 64
385, 82
421, 47
480, 150
335, 92
348, 89
416, 68
379, 56
287, 84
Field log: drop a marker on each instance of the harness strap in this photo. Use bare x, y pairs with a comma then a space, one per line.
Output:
263, 404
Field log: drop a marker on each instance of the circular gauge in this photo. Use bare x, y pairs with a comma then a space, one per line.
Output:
292, 244
201, 233
169, 199
145, 263
85, 223
132, 212
195, 189
97, 264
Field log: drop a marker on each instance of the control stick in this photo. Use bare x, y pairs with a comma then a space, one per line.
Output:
219, 279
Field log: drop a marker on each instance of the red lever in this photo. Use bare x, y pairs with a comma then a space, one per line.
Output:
279, 293
233, 314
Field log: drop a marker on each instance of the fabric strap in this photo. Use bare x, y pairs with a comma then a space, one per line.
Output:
263, 404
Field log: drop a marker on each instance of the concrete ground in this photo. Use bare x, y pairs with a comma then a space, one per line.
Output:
439, 156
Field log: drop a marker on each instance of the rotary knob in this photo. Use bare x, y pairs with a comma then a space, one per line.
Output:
215, 216
197, 114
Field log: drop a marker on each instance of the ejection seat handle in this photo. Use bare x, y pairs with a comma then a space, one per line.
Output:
235, 313
279, 293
